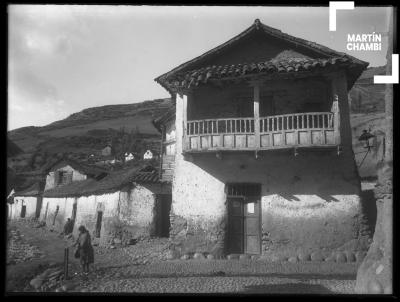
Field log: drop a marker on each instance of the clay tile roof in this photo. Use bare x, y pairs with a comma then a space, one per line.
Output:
111, 183
290, 65
35, 189
181, 77
165, 117
81, 167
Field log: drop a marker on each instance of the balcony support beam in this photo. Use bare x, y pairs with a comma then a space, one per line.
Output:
336, 111
186, 98
257, 154
161, 151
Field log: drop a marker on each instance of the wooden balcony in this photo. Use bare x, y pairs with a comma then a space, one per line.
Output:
313, 129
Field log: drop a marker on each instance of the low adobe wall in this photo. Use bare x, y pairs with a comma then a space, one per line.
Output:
29, 201
127, 214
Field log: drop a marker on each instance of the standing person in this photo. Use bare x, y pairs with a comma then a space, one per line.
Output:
85, 249
68, 227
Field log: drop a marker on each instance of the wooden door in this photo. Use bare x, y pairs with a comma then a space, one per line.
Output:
98, 223
235, 225
252, 226
244, 218
165, 211
23, 211
38, 207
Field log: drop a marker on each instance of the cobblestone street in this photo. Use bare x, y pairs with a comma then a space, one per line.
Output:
139, 269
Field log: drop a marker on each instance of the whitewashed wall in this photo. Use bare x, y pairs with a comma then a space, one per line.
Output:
16, 207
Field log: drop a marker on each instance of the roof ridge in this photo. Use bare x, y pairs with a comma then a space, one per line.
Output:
257, 25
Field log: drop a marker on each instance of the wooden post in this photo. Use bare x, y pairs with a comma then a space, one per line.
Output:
161, 151
184, 105
257, 116
66, 254
336, 113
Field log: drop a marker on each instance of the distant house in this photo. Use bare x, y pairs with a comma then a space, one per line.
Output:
134, 200
129, 156
26, 203
65, 171
106, 151
114, 161
148, 155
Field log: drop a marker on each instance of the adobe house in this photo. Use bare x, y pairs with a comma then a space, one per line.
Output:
65, 170
106, 151
148, 155
26, 203
124, 205
261, 145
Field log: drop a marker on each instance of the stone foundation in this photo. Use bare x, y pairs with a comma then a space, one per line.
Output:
190, 237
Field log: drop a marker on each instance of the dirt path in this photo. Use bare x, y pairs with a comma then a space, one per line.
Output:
52, 247
137, 269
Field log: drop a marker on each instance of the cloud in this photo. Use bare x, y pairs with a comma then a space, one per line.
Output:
31, 86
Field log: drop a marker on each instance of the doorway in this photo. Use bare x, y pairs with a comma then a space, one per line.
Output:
55, 214
98, 223
23, 211
38, 207
244, 218
162, 211
73, 215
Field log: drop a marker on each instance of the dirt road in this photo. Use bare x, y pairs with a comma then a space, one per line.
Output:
135, 269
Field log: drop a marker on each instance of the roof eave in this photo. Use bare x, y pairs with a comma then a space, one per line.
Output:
257, 25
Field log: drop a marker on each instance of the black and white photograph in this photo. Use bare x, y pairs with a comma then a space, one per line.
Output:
189, 150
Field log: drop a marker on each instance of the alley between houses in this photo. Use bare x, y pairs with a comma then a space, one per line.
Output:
143, 268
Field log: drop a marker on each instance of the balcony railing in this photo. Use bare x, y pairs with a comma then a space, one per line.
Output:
278, 131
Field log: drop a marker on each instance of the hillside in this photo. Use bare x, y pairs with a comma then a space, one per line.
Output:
88, 131
367, 104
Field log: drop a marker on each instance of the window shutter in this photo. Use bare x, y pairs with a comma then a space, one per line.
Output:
56, 178
69, 177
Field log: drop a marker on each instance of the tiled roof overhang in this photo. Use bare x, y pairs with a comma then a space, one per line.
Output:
354, 69
195, 78
111, 183
164, 118
35, 189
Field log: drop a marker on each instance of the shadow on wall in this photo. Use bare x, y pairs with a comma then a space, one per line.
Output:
288, 288
322, 174
368, 208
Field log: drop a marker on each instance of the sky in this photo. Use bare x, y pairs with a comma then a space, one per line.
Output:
65, 58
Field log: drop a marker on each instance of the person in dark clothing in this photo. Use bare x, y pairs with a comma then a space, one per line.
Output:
85, 248
68, 227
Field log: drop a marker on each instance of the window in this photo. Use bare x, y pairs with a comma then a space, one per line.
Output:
63, 177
